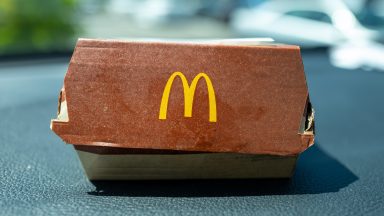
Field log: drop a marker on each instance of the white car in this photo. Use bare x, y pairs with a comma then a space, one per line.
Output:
305, 23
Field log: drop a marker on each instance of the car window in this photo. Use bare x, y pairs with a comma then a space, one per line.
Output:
312, 15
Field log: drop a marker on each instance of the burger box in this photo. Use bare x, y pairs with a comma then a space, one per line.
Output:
156, 109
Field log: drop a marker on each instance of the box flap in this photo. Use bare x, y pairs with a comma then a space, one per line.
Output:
209, 97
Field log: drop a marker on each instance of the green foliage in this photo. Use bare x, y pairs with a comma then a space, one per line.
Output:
30, 26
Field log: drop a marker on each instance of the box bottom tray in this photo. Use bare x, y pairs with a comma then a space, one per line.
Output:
152, 166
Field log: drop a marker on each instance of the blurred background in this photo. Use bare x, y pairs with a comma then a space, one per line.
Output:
350, 30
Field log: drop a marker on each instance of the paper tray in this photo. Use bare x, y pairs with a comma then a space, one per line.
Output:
185, 166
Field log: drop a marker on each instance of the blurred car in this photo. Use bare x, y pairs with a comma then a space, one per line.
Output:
305, 23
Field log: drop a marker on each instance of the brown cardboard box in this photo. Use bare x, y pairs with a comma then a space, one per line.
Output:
182, 110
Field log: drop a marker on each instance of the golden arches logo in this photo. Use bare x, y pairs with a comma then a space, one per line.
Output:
189, 92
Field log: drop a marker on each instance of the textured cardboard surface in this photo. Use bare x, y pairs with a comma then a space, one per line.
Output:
185, 166
114, 89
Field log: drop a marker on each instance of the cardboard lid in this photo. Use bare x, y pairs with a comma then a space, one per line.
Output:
196, 96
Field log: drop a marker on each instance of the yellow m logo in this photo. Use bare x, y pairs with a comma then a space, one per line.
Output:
189, 92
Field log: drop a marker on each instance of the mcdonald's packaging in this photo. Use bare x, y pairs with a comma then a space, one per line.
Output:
185, 110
